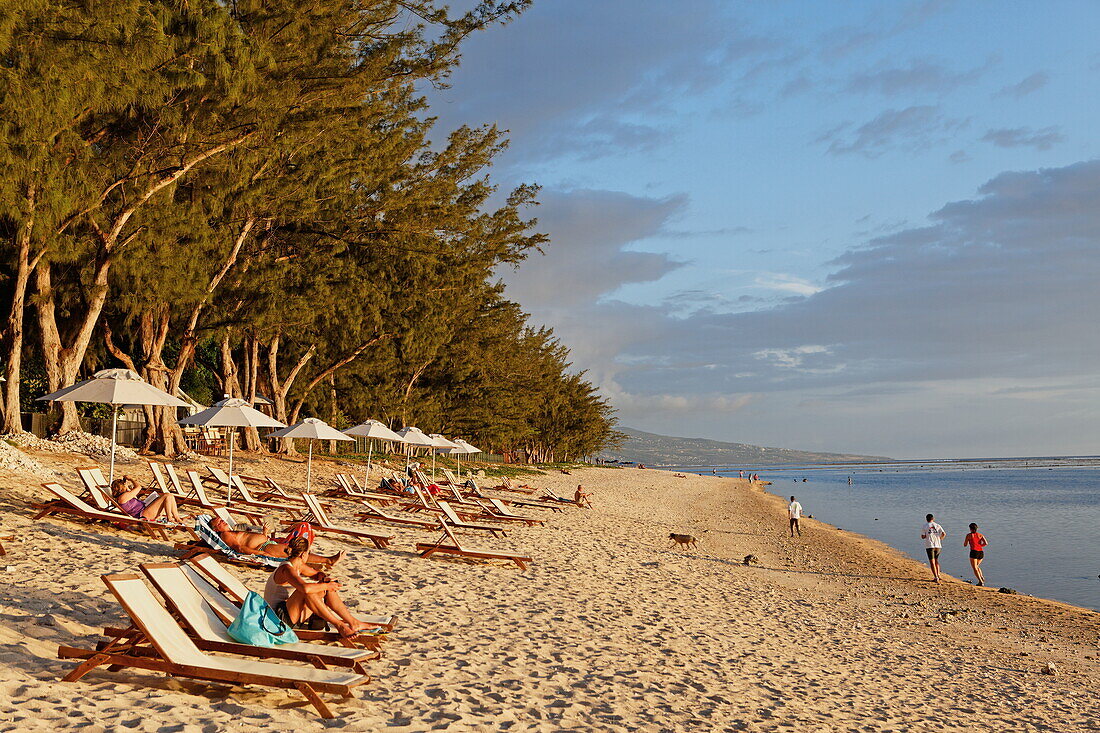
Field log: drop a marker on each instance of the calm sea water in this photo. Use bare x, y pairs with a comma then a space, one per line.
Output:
1042, 524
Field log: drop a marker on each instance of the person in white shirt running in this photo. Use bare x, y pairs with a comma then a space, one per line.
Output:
794, 511
933, 536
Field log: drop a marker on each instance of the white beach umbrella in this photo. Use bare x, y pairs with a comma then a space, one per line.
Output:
232, 412
373, 429
115, 387
439, 443
414, 437
462, 449
311, 429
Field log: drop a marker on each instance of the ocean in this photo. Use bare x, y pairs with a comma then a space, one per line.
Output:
1042, 521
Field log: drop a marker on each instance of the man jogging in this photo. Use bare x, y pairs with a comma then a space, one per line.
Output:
794, 511
933, 536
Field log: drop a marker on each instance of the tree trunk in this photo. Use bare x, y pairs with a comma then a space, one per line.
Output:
56, 358
251, 371
10, 421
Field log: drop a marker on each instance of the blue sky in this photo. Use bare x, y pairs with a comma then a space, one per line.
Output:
845, 226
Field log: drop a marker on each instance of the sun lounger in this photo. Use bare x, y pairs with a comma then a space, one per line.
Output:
458, 523
454, 547
95, 486
376, 514
506, 485
68, 503
505, 513
529, 503
318, 518
246, 497
209, 632
158, 644
231, 590
345, 490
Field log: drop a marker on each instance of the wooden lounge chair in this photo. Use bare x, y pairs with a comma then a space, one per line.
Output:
209, 633
376, 514
158, 644
504, 512
345, 490
458, 523
68, 503
91, 477
475, 490
221, 479
233, 591
244, 500
507, 485
318, 518
559, 499
455, 548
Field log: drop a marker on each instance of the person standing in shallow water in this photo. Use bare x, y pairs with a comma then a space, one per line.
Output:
976, 542
794, 513
933, 536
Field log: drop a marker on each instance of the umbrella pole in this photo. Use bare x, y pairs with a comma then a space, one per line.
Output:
229, 489
114, 440
309, 464
433, 464
370, 449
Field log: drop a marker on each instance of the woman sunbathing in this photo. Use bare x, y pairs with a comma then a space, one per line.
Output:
257, 543
154, 507
297, 592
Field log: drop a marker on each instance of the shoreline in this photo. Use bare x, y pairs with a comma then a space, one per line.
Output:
610, 628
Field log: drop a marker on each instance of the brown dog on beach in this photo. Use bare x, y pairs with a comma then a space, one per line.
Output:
684, 540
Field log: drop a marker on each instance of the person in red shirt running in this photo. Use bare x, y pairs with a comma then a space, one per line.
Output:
976, 542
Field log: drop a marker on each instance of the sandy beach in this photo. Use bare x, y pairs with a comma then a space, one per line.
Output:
609, 629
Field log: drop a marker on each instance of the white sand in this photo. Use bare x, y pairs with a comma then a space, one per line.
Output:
608, 630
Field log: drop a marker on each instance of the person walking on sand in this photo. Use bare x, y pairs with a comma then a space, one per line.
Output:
976, 542
933, 536
794, 512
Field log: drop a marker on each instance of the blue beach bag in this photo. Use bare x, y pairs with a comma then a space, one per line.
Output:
258, 625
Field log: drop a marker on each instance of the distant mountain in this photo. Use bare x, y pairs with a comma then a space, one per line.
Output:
664, 450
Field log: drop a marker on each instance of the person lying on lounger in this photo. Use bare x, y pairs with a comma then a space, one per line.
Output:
580, 497
256, 543
154, 507
297, 592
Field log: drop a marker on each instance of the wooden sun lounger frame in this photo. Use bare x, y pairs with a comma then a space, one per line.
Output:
376, 514
457, 522
318, 519
320, 657
344, 490
121, 520
199, 564
455, 548
138, 649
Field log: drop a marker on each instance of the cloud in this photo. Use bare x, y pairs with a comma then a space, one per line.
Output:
1024, 137
1025, 86
912, 129
572, 77
838, 43
787, 284
917, 76
587, 257
908, 350
959, 156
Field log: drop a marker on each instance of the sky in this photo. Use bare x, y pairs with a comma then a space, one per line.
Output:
862, 227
